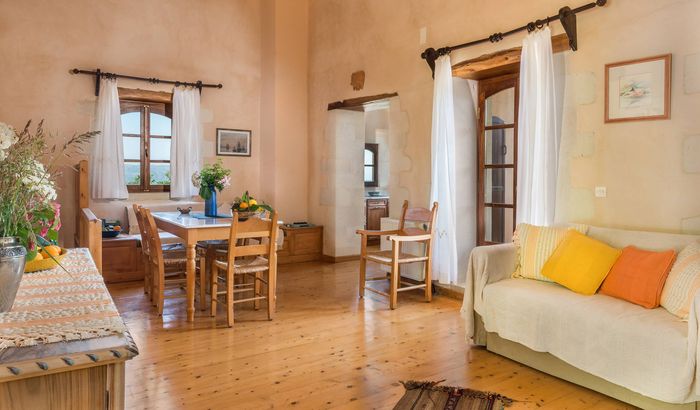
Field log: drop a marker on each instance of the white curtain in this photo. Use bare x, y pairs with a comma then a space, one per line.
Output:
185, 157
107, 155
442, 187
538, 142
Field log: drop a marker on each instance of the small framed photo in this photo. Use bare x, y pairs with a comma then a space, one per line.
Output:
233, 143
638, 89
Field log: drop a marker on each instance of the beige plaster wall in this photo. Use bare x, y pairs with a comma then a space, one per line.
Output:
213, 41
650, 169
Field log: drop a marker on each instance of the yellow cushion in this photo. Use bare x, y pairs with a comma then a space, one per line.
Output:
580, 263
535, 244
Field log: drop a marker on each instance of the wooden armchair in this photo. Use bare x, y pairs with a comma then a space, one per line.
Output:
395, 258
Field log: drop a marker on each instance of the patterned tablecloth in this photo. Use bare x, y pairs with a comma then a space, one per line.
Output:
56, 306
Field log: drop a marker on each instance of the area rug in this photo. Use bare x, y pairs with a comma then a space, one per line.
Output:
430, 396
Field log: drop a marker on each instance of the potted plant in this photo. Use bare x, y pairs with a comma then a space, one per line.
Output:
29, 213
212, 178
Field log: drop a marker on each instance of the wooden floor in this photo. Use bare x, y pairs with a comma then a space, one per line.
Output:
325, 349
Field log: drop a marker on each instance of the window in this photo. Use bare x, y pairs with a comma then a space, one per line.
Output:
497, 149
146, 130
371, 165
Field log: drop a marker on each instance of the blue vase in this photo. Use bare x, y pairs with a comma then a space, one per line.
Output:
210, 204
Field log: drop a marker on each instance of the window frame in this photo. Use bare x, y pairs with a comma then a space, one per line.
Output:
487, 88
146, 108
374, 148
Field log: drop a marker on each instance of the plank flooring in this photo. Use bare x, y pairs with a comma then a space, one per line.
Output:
324, 349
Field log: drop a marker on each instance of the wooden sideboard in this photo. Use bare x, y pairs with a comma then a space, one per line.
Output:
375, 210
301, 245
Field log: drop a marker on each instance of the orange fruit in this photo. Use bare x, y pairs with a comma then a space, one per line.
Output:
117, 228
38, 257
243, 205
52, 250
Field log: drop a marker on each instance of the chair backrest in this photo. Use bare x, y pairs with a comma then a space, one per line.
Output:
155, 248
142, 228
422, 216
253, 228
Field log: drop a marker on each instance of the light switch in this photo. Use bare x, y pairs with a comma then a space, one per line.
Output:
601, 192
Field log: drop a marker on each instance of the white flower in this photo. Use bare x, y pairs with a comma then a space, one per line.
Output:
195, 179
8, 136
39, 182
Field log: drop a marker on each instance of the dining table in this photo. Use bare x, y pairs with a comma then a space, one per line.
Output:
192, 228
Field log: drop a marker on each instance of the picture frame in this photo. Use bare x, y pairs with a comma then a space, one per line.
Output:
637, 90
232, 142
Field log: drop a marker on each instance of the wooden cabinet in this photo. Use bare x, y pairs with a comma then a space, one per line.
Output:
121, 259
375, 210
301, 245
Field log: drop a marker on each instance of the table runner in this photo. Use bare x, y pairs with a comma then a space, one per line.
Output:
56, 306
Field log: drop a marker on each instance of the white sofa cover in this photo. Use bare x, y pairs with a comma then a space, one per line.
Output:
648, 351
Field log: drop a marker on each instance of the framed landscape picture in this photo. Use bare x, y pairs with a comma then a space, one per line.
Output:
638, 89
233, 143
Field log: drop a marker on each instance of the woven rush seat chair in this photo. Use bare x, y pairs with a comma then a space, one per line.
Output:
424, 220
167, 268
166, 247
243, 258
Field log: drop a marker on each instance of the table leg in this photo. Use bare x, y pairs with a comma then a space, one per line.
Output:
190, 281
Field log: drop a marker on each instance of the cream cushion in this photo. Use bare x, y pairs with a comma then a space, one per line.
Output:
535, 244
683, 282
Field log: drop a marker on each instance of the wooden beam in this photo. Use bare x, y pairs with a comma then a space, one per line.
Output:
135, 94
357, 103
500, 62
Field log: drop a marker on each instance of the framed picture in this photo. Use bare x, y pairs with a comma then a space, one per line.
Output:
638, 89
233, 143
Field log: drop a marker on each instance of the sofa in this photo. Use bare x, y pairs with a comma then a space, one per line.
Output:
645, 357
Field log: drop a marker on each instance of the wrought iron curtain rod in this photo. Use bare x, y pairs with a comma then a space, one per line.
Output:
102, 74
566, 15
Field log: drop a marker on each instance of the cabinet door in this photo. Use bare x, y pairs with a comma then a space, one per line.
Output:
376, 210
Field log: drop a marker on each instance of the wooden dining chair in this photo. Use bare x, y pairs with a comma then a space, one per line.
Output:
167, 267
423, 220
242, 258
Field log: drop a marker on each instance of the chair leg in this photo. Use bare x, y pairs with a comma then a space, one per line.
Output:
363, 276
258, 290
428, 282
271, 291
393, 293
160, 295
147, 279
229, 297
202, 283
214, 282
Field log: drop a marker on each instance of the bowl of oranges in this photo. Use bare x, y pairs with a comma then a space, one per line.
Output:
49, 257
247, 206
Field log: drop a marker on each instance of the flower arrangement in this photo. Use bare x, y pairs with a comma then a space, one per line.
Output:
28, 208
212, 176
247, 203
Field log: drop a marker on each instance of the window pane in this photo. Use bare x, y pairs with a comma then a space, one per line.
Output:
132, 147
369, 174
498, 185
132, 173
369, 157
160, 149
500, 107
498, 146
131, 123
498, 224
160, 174
160, 125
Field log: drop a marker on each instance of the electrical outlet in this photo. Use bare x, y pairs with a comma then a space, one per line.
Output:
601, 192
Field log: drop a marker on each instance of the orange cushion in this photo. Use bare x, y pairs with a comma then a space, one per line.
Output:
638, 276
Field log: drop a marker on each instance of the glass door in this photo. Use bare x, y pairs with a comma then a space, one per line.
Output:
497, 159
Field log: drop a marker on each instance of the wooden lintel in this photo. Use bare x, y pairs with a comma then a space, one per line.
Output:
135, 94
357, 103
500, 62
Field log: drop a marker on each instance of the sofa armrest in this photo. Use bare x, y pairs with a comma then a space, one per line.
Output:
487, 264
496, 262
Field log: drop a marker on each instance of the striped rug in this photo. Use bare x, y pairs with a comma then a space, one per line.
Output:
430, 396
